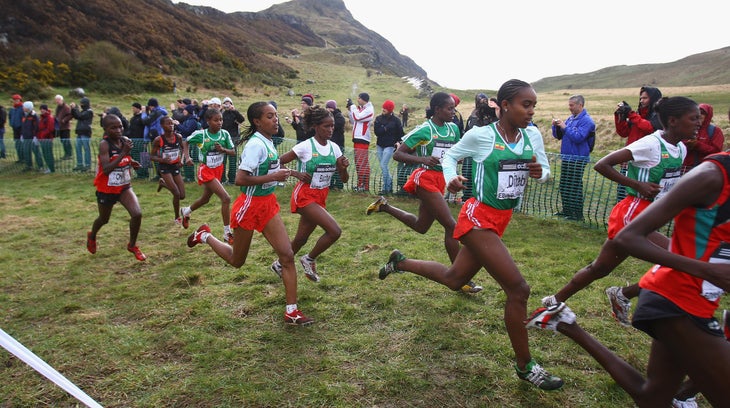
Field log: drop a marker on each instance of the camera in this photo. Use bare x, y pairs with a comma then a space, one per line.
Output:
623, 110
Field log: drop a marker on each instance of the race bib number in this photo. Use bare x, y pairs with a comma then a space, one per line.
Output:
440, 148
322, 176
512, 179
120, 176
273, 168
214, 159
721, 255
173, 155
669, 179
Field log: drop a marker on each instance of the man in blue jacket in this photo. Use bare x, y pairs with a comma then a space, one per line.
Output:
576, 135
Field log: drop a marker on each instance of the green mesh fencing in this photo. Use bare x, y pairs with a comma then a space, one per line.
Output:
591, 207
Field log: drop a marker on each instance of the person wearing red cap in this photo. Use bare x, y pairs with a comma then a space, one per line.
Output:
15, 118
388, 130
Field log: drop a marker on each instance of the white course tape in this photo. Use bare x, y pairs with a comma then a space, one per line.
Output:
17, 349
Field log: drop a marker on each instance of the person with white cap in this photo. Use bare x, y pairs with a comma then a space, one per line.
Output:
63, 119
362, 114
29, 137
232, 120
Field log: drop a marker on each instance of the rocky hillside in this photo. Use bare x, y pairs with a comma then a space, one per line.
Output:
162, 34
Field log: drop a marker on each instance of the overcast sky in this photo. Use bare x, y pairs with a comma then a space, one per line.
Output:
479, 44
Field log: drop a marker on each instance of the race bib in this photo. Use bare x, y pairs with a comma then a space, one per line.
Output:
721, 255
440, 148
322, 176
512, 179
214, 159
120, 176
669, 179
173, 155
273, 168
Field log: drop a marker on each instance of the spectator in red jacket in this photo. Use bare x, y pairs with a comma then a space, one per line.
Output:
633, 125
709, 139
46, 131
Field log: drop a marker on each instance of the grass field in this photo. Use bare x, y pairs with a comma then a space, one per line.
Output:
183, 329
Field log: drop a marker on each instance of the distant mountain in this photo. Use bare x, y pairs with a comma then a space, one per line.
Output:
185, 40
707, 68
165, 36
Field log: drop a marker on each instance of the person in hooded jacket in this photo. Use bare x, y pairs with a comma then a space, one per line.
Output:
84, 119
46, 132
710, 139
29, 137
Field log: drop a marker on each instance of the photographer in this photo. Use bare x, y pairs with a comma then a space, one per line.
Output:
633, 125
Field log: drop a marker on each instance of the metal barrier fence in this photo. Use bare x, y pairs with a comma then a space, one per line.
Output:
541, 200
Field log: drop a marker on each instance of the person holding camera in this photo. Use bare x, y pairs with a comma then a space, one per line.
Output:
232, 120
574, 134
633, 125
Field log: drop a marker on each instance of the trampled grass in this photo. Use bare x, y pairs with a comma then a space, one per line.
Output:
183, 329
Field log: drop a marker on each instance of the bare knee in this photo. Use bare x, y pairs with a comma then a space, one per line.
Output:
226, 200
518, 292
335, 233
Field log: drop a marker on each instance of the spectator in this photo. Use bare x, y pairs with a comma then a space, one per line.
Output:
84, 118
177, 111
483, 114
29, 137
278, 138
189, 125
63, 122
114, 111
151, 118
458, 119
574, 135
3, 120
404, 111
338, 138
388, 130
15, 117
297, 121
232, 120
46, 132
362, 114
710, 139
633, 125
135, 132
